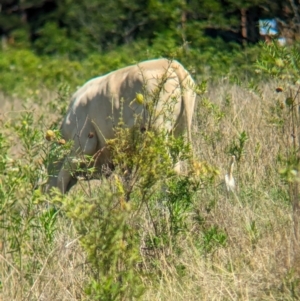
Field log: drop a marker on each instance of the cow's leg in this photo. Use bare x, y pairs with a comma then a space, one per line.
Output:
64, 177
85, 143
53, 170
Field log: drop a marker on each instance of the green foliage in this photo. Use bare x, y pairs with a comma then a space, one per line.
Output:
105, 223
60, 43
179, 201
237, 148
290, 284
22, 217
109, 226
142, 184
77, 28
21, 37
213, 238
145, 166
25, 73
283, 63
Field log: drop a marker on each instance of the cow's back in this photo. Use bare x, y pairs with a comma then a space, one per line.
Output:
103, 98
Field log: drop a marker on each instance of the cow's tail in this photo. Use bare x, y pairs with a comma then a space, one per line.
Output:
188, 96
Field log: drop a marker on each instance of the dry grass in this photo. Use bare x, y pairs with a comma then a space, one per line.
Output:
260, 261
61, 273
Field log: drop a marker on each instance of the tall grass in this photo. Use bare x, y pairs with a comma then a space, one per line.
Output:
231, 246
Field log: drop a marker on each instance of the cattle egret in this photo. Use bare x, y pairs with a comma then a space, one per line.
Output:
229, 180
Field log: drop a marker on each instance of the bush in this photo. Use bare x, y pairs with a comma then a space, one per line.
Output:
23, 72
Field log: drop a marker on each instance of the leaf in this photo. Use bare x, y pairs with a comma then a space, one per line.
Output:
289, 101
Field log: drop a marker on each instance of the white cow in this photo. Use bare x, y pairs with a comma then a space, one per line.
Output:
99, 104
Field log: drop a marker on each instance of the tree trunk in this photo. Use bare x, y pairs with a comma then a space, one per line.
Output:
253, 35
244, 26
249, 25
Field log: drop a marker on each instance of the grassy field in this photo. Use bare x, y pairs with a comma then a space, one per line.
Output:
226, 246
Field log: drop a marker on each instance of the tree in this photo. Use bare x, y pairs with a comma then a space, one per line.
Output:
78, 27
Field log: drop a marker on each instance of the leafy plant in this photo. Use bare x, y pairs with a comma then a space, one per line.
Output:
213, 238
283, 63
237, 148
104, 222
22, 216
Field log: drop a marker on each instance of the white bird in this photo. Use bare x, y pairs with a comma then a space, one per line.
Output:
229, 180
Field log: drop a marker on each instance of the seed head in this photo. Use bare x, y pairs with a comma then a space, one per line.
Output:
139, 98
50, 135
289, 101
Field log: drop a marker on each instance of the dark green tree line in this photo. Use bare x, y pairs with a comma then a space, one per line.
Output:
78, 27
